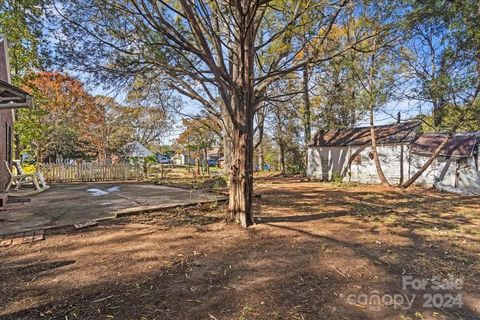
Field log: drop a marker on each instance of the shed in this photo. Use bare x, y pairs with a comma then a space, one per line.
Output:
456, 169
347, 153
402, 150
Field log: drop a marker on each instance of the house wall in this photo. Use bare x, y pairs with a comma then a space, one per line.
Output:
441, 169
6, 121
183, 159
469, 176
363, 170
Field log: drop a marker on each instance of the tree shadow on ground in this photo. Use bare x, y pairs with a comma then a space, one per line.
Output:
286, 267
294, 274
430, 210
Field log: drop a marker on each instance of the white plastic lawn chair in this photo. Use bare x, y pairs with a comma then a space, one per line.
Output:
24, 179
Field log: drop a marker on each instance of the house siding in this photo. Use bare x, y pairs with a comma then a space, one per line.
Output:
6, 121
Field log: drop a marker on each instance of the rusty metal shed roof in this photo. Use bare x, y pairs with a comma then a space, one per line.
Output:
405, 132
460, 145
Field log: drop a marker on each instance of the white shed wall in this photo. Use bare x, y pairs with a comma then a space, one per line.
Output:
325, 161
441, 169
448, 174
454, 175
390, 159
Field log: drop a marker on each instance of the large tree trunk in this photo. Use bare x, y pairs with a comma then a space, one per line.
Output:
241, 178
238, 163
410, 181
376, 159
242, 112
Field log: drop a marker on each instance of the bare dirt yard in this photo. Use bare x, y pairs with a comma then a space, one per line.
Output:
318, 251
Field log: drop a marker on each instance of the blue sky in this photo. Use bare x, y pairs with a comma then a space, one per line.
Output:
387, 115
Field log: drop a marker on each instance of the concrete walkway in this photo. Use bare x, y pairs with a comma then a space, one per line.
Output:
68, 204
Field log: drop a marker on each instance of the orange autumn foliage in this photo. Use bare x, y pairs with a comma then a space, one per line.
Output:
67, 104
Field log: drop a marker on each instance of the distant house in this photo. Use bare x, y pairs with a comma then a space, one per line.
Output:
137, 150
10, 98
402, 149
214, 154
183, 158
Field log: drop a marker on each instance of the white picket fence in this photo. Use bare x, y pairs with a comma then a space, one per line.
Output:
88, 172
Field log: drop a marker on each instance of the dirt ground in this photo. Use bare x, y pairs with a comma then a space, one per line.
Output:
318, 251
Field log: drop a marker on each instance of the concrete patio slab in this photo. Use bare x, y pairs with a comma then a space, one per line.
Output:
69, 204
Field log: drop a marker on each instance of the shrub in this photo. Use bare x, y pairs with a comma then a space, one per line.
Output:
217, 182
337, 177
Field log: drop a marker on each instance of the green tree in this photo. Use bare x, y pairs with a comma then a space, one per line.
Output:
443, 58
375, 69
115, 130
285, 123
132, 120
21, 23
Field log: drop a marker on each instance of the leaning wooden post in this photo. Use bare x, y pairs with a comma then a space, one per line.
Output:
428, 163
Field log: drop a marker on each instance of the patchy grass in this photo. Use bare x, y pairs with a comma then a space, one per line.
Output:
181, 175
314, 246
